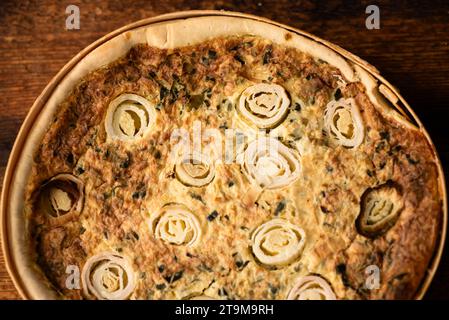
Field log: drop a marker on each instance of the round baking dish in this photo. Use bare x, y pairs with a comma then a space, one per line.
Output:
12, 221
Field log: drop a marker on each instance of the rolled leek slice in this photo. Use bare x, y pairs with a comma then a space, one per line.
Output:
311, 288
61, 197
270, 164
380, 208
343, 122
108, 276
277, 242
264, 105
195, 170
175, 224
129, 117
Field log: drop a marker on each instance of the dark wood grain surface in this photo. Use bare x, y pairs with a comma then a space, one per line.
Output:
411, 49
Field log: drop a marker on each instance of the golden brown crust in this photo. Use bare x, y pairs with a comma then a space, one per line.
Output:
124, 184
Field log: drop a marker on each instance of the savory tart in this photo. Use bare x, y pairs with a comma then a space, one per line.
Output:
234, 161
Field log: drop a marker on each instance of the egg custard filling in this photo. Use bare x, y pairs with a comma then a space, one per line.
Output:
319, 183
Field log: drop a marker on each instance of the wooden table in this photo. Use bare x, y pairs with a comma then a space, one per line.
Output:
411, 49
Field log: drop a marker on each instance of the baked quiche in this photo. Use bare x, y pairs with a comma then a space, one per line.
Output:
224, 158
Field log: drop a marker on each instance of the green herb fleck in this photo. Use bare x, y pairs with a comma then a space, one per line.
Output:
324, 210
239, 59
384, 135
70, 158
80, 170
160, 286
163, 93
197, 197
411, 160
267, 55
212, 216
174, 277
212, 54
273, 289
125, 164
280, 207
